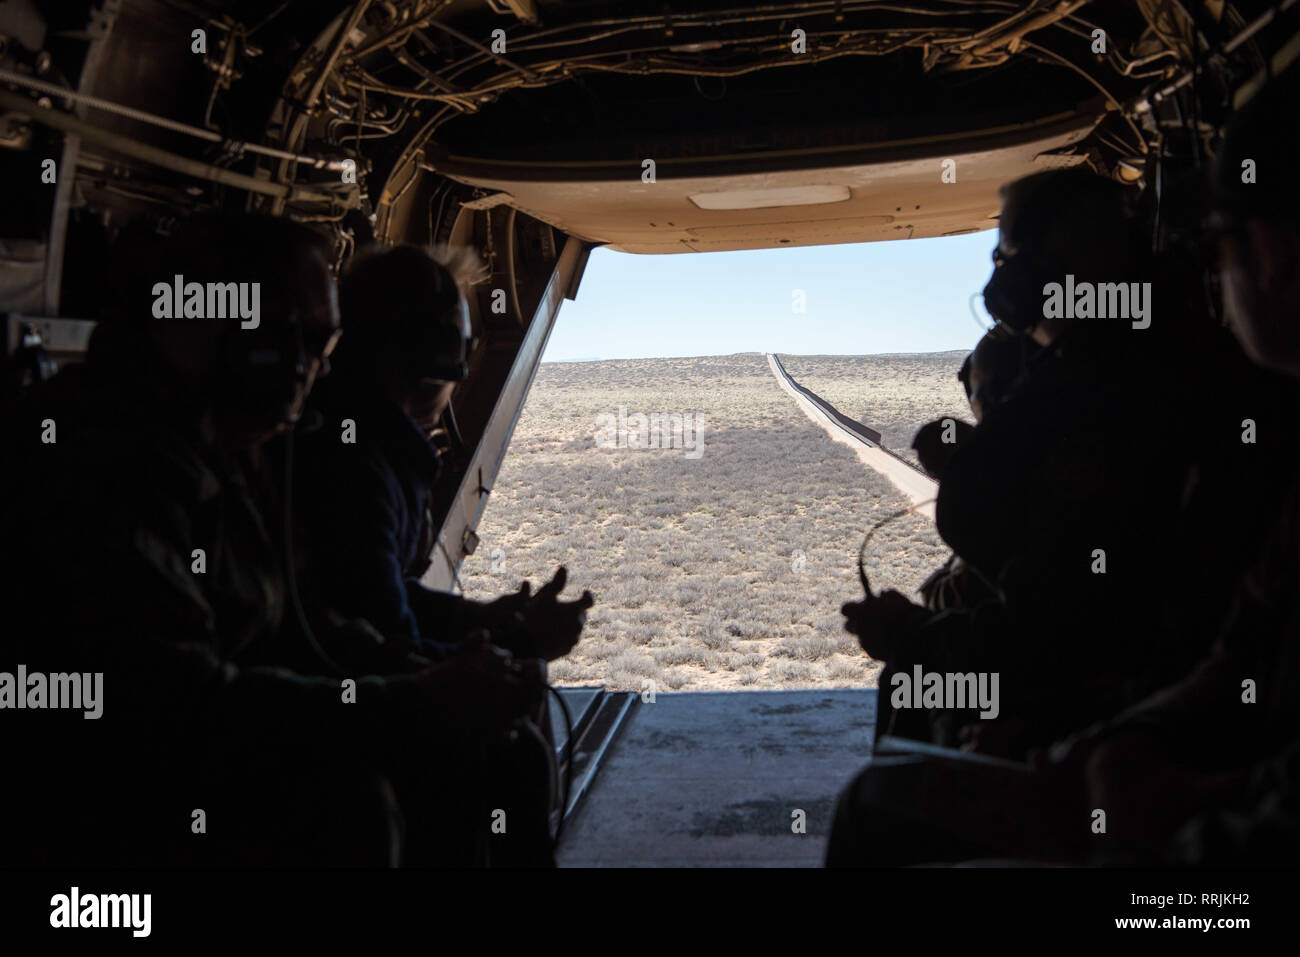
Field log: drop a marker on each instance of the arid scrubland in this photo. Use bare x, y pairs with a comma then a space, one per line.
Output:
895, 395
717, 572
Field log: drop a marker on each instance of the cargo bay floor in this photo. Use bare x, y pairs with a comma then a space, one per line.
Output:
709, 779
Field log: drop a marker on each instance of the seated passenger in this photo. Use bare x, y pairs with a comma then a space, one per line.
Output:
1204, 771
362, 503
1208, 770
992, 370
137, 556
1037, 500
987, 375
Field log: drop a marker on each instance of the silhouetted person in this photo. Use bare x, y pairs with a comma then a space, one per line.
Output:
1205, 770
987, 376
1208, 770
1039, 499
363, 495
996, 364
136, 547
363, 479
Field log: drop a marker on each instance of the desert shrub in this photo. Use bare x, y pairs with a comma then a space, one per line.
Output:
604, 650
716, 639
678, 678
809, 648
846, 669
700, 553
634, 663
791, 671
846, 644
688, 655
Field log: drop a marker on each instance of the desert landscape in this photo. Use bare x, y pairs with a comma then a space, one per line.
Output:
717, 564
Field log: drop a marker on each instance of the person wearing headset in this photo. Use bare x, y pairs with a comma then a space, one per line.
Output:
988, 375
363, 493
363, 476
1206, 770
1031, 500
1034, 498
1195, 775
138, 550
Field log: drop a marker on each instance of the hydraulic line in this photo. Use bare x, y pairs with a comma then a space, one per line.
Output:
108, 106
1169, 89
158, 157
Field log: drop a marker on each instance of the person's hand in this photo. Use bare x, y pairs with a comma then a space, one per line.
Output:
511, 604
881, 623
481, 687
554, 626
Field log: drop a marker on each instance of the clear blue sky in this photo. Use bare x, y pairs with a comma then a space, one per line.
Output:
862, 299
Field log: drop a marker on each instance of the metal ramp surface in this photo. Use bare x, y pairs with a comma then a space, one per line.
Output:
712, 779
597, 717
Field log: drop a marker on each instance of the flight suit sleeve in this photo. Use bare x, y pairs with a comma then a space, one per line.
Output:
109, 583
446, 619
351, 517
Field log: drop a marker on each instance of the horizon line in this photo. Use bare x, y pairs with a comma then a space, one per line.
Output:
801, 355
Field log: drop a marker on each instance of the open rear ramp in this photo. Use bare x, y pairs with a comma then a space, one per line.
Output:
713, 779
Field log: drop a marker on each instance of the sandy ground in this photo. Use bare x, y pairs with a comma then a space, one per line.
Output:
719, 571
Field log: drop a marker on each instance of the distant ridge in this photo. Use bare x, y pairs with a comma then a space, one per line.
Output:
874, 355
